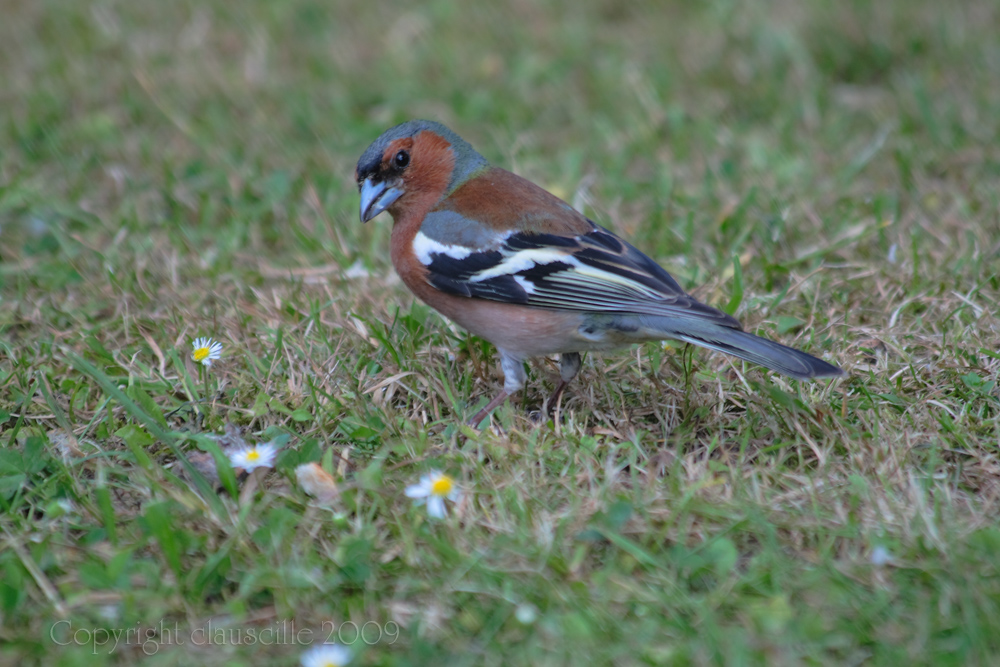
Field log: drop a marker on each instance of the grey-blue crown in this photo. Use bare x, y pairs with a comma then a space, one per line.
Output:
467, 160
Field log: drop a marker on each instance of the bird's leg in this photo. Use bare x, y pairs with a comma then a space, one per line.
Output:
569, 366
513, 381
485, 412
552, 402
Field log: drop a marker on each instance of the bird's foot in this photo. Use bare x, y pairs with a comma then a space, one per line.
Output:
552, 403
485, 412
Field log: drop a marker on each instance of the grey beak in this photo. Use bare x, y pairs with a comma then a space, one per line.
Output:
376, 197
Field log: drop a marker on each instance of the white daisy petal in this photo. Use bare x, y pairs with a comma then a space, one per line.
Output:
417, 491
435, 507
326, 655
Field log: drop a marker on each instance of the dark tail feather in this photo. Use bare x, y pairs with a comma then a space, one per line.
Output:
757, 350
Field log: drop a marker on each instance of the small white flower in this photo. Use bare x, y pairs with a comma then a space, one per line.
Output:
880, 556
206, 351
433, 489
326, 655
526, 613
258, 456
111, 612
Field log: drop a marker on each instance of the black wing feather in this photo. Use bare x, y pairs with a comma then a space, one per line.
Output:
592, 272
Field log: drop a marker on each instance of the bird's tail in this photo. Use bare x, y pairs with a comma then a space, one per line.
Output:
757, 350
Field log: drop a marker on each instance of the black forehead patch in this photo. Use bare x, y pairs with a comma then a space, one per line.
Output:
367, 167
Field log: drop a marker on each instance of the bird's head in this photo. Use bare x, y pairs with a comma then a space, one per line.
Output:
416, 163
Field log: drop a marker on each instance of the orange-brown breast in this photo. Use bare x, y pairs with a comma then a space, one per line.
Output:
520, 330
425, 182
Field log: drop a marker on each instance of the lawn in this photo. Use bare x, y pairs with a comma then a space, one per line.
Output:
829, 171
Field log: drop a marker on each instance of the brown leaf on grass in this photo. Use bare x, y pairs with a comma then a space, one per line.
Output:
204, 463
431, 615
317, 482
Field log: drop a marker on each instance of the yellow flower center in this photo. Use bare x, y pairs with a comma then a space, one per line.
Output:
442, 486
201, 354
253, 455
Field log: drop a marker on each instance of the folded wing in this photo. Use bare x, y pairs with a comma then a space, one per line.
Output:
591, 272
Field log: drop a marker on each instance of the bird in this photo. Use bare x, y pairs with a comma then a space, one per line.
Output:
515, 265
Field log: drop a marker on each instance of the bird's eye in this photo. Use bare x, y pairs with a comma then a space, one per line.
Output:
402, 159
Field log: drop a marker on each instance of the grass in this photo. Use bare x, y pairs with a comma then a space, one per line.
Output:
173, 170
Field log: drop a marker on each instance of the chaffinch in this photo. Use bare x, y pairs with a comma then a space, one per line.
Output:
521, 268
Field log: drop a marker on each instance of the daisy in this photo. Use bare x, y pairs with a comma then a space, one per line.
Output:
326, 655
433, 489
258, 456
206, 351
